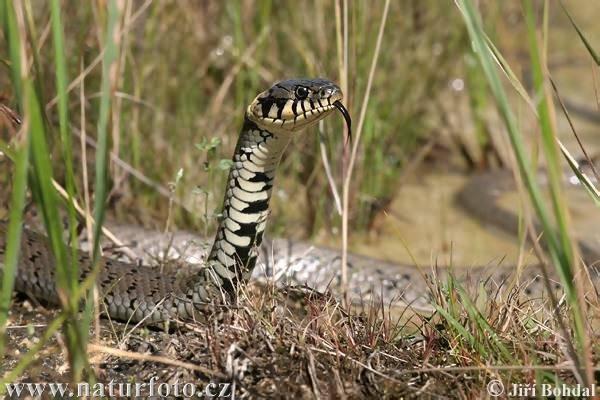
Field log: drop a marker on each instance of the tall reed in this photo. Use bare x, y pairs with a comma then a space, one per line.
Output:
555, 235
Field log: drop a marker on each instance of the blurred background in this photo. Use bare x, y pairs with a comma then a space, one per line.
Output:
186, 71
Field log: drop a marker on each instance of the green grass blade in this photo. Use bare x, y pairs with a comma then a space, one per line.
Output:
65, 137
510, 75
13, 233
32, 354
548, 139
462, 331
9, 23
108, 59
565, 267
45, 196
586, 42
583, 178
558, 242
525, 166
482, 324
20, 156
81, 329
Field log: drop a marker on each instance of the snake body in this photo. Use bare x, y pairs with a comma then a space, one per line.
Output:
135, 293
288, 261
215, 270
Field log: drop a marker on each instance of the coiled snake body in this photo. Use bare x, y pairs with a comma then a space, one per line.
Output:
133, 292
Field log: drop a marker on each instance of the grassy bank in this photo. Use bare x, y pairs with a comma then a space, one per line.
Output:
132, 108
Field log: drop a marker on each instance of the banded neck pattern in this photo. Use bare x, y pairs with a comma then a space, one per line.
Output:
246, 205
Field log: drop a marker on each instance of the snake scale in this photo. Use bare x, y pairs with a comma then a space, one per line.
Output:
135, 292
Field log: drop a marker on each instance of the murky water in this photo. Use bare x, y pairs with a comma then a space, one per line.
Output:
425, 225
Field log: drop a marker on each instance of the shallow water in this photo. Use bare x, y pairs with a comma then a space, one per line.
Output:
425, 225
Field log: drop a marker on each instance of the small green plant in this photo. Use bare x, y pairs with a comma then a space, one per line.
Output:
213, 166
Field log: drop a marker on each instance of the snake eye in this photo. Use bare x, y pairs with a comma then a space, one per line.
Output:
301, 92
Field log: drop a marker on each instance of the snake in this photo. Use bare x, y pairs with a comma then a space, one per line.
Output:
209, 274
136, 293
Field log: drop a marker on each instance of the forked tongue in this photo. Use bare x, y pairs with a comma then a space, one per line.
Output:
338, 104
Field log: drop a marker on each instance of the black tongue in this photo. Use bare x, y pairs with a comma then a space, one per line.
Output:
338, 104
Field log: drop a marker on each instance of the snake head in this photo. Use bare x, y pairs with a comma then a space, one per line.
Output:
294, 104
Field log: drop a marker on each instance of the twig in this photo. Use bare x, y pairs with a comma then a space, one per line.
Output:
162, 190
83, 213
156, 359
363, 365
335, 193
86, 186
312, 374
581, 146
348, 177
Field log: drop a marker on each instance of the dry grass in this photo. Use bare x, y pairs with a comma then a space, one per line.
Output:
278, 344
169, 97
183, 74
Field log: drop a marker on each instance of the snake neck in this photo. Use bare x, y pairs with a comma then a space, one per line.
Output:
246, 205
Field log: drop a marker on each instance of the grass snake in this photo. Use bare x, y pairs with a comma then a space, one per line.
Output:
211, 273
